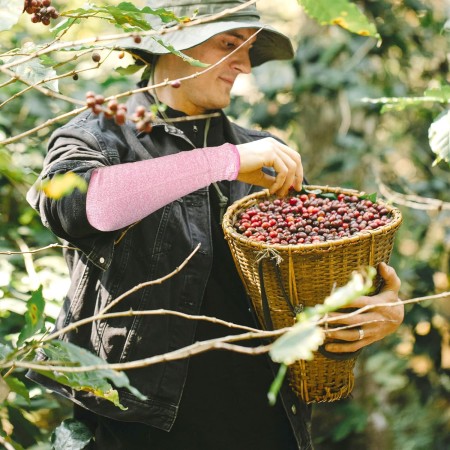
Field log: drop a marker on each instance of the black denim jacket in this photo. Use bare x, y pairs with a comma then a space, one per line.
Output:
108, 264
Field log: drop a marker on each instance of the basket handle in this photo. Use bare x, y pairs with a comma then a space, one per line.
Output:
268, 324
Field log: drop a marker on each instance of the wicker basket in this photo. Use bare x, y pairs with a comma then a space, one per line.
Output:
304, 275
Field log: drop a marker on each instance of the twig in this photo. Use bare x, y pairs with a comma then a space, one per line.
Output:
48, 92
151, 312
412, 201
5, 443
38, 249
42, 90
443, 295
185, 352
29, 265
75, 325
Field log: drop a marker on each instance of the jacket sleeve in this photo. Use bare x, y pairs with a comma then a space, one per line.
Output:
78, 147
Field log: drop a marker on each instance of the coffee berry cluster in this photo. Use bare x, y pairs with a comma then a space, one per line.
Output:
112, 110
308, 218
41, 11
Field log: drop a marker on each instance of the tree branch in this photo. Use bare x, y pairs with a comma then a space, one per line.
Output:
38, 249
125, 94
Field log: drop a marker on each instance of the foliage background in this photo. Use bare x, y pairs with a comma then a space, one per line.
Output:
401, 400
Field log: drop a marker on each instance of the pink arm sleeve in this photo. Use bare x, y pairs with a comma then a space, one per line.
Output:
125, 193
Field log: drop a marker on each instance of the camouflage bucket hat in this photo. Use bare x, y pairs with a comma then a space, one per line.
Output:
270, 43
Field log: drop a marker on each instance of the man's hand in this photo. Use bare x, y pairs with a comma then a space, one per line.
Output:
268, 152
375, 323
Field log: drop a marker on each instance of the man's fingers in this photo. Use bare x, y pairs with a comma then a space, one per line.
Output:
292, 170
282, 171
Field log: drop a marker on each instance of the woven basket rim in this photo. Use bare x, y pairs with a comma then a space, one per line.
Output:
230, 231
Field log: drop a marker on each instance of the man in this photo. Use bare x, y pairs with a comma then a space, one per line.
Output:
152, 197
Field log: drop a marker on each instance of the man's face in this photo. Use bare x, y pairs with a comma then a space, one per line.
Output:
210, 90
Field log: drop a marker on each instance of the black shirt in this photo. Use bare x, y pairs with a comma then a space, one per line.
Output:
224, 404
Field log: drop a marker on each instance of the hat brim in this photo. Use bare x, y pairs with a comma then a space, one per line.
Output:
270, 44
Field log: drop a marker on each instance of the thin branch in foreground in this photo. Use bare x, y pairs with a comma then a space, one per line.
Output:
42, 90
200, 347
158, 312
442, 295
411, 201
38, 249
185, 352
6, 444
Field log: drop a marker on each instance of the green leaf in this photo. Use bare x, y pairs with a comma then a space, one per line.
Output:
11, 12
34, 317
64, 25
71, 435
340, 12
359, 284
129, 70
125, 15
371, 197
298, 343
439, 138
188, 59
442, 93
63, 184
18, 387
93, 381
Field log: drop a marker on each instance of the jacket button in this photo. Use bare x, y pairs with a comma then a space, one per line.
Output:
101, 260
294, 409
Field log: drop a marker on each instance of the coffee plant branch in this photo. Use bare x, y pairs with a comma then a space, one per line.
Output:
124, 94
200, 347
412, 201
185, 352
37, 250
42, 90
114, 37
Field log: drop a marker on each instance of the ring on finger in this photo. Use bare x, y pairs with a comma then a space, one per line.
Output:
361, 333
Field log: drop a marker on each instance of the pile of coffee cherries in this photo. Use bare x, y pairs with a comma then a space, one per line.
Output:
309, 218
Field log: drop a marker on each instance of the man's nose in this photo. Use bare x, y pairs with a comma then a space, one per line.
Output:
242, 61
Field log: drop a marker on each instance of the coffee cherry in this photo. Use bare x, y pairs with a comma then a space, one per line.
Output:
143, 119
75, 77
120, 116
137, 39
96, 57
175, 84
310, 218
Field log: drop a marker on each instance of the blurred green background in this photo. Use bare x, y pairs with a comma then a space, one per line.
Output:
402, 396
